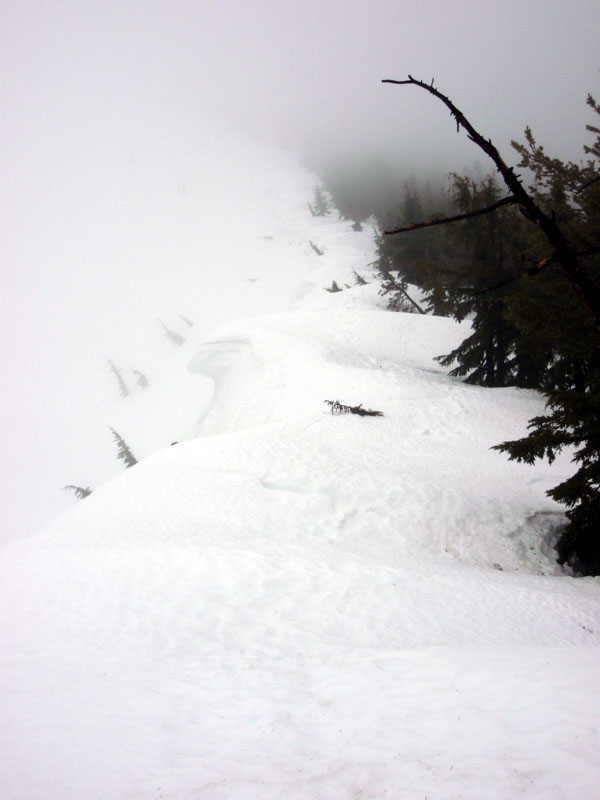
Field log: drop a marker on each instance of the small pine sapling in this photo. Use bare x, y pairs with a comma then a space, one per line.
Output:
172, 335
123, 390
333, 288
358, 279
142, 380
320, 206
124, 453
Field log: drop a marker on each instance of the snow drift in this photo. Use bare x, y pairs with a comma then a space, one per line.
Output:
291, 604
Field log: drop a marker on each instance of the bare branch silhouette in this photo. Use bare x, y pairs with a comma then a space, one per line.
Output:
445, 220
563, 251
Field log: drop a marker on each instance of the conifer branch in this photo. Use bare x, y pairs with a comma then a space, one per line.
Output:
538, 267
339, 408
80, 492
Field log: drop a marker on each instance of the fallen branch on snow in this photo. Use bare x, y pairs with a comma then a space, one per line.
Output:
338, 408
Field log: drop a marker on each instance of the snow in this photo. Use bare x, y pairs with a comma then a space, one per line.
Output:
293, 604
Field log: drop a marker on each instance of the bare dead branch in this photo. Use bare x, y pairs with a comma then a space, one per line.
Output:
564, 252
398, 287
589, 183
446, 220
411, 301
486, 145
522, 274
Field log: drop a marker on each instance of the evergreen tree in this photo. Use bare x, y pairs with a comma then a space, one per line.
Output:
571, 192
142, 380
361, 187
418, 259
124, 452
123, 390
414, 247
393, 285
563, 207
172, 335
320, 206
486, 251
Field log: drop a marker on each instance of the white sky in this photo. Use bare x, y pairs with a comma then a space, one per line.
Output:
300, 68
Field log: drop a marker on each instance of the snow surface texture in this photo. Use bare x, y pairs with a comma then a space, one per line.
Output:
292, 604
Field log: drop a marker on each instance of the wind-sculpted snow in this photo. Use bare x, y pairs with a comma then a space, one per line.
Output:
293, 604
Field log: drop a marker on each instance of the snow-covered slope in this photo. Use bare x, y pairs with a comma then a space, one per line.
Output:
109, 245
293, 604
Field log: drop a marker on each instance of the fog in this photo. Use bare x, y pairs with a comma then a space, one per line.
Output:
306, 72
115, 112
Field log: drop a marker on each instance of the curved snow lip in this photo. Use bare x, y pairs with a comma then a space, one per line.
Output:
214, 358
231, 365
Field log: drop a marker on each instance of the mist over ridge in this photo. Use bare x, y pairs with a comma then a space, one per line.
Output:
129, 157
